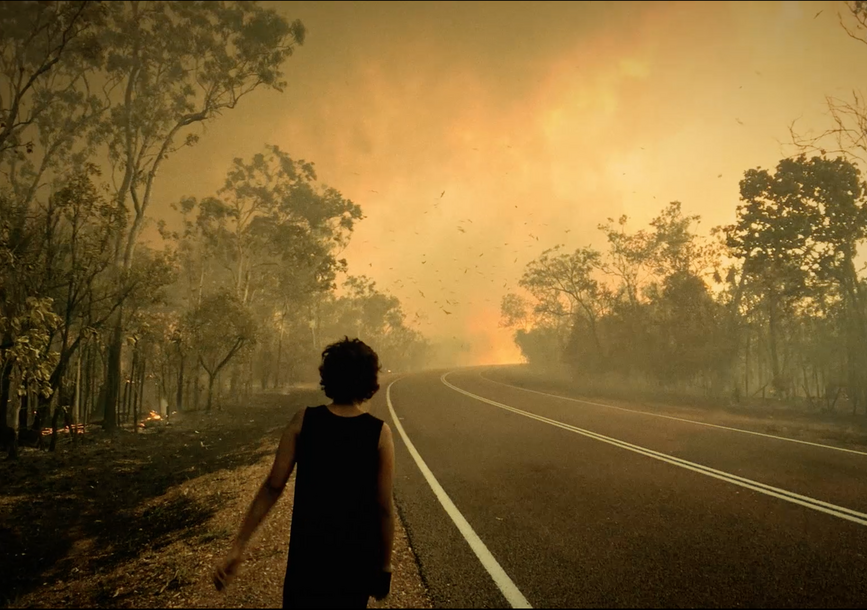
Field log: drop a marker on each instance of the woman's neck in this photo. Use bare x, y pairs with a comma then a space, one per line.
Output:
346, 409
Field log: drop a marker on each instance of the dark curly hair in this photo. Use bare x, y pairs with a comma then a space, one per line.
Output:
349, 371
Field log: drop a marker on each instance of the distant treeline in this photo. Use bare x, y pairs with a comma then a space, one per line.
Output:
771, 306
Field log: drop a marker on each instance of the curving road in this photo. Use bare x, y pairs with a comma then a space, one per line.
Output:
514, 498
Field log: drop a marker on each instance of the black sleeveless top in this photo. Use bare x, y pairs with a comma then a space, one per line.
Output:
334, 539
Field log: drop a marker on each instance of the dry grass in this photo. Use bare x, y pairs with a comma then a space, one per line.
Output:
140, 520
843, 429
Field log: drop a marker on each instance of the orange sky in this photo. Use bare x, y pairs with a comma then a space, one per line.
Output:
534, 118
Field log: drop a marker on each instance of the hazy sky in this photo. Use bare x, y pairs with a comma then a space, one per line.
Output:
534, 118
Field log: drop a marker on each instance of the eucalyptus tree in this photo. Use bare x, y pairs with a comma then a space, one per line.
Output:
170, 67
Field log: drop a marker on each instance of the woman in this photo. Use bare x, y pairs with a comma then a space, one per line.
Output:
342, 532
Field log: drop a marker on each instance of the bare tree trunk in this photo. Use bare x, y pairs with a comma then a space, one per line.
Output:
131, 384
5, 382
210, 391
265, 377
278, 371
113, 375
747, 364
196, 389
188, 382
139, 377
91, 386
76, 405
84, 410
57, 399
221, 392
15, 403
234, 382
165, 388
776, 381
67, 423
807, 393
179, 398
124, 402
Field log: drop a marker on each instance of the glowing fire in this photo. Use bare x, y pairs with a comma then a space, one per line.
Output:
77, 427
152, 416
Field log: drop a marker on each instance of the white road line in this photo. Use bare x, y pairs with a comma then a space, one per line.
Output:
501, 579
690, 421
789, 496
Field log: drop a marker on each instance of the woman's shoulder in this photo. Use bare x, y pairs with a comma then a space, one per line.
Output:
306, 414
374, 422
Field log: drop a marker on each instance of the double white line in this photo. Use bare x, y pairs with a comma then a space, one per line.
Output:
789, 496
681, 419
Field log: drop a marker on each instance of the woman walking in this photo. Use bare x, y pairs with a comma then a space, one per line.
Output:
342, 533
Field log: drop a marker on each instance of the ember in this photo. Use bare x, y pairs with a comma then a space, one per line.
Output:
152, 416
77, 427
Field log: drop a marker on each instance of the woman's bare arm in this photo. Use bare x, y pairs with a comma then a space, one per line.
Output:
385, 481
266, 497
272, 488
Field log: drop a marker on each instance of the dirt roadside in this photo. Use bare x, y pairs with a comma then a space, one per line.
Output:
139, 520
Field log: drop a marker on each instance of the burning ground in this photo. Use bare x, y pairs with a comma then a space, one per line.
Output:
139, 520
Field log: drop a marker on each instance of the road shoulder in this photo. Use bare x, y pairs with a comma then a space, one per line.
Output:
140, 520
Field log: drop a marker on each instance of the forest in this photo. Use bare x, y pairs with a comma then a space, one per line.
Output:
770, 309
100, 324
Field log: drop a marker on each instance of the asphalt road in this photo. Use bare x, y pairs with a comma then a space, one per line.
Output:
631, 518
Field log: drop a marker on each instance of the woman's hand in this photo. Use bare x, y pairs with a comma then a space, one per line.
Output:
225, 572
382, 583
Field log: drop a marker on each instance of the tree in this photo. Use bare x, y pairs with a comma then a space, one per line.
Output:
29, 358
270, 236
514, 311
45, 51
802, 228
541, 346
629, 258
847, 134
49, 53
175, 66
272, 224
640, 307
565, 289
220, 328
689, 338
376, 318
771, 237
675, 248
63, 253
